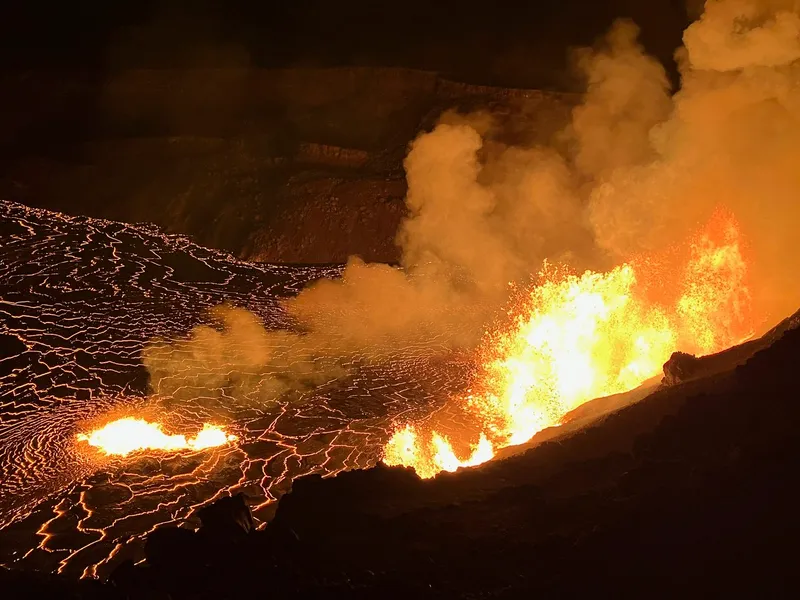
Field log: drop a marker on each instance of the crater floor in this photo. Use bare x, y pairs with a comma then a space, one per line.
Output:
79, 300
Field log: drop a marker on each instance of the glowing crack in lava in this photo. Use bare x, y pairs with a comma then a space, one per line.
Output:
124, 436
86, 297
578, 337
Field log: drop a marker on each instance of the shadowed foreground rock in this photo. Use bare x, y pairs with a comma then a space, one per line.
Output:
227, 518
689, 492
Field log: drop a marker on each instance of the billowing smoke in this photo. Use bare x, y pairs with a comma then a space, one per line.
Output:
236, 360
731, 138
636, 170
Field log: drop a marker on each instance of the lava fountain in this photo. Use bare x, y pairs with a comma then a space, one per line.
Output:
576, 337
124, 436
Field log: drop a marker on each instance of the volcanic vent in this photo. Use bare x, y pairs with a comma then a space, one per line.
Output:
573, 338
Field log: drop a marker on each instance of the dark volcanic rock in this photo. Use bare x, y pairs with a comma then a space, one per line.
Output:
17, 585
329, 219
681, 367
171, 547
227, 518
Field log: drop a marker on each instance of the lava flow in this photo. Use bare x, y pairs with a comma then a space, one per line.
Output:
123, 436
579, 337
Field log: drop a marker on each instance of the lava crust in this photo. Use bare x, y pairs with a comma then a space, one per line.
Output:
79, 300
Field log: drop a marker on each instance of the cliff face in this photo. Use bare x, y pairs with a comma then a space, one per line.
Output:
297, 165
329, 219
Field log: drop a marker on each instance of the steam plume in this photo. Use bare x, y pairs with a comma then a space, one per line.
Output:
731, 138
636, 170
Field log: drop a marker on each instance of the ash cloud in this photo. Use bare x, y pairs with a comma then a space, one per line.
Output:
636, 170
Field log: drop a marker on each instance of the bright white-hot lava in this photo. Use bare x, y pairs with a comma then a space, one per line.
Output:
127, 435
578, 337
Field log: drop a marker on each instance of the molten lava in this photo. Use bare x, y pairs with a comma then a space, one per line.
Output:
579, 337
123, 436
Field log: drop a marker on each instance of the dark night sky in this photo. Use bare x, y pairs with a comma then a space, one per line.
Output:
494, 42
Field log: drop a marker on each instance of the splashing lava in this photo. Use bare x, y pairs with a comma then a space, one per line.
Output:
579, 337
123, 436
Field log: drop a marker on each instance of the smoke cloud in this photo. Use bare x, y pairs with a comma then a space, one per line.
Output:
731, 139
238, 360
636, 170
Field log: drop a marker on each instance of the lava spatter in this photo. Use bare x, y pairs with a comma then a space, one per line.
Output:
580, 337
124, 436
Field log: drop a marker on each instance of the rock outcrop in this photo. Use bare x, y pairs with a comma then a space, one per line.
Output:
682, 367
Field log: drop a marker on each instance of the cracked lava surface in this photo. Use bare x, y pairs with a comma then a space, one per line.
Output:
80, 298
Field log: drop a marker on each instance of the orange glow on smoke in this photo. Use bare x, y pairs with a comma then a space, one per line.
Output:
123, 436
579, 337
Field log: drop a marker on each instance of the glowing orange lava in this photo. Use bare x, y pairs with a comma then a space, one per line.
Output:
580, 337
123, 436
